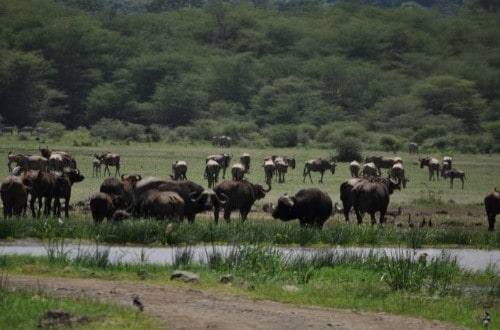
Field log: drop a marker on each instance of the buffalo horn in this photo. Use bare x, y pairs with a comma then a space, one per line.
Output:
268, 189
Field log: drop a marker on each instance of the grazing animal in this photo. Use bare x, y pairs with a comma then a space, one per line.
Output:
453, 174
63, 182
26, 129
239, 195
383, 162
282, 164
492, 206
245, 160
224, 161
14, 158
179, 170
212, 170
446, 163
311, 206
162, 205
196, 198
354, 169
102, 205
121, 189
345, 195
14, 194
398, 173
96, 167
222, 141
110, 159
413, 148
8, 129
136, 301
318, 165
433, 165
34, 162
269, 170
238, 171
121, 215
371, 197
369, 170
42, 185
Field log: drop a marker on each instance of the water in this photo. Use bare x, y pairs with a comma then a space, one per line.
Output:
469, 259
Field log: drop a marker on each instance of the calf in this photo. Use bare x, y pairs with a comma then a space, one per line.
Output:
102, 205
453, 174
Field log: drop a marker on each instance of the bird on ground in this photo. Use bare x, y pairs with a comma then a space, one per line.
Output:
486, 319
136, 301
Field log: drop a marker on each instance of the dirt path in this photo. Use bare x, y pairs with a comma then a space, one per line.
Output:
193, 309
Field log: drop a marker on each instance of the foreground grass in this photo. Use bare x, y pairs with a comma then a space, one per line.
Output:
435, 289
24, 310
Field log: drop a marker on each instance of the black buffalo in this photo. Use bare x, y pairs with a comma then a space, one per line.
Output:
64, 180
121, 189
311, 206
345, 195
239, 195
14, 196
102, 205
371, 197
492, 206
162, 205
195, 197
42, 185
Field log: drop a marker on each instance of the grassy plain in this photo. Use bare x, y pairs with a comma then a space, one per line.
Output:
458, 217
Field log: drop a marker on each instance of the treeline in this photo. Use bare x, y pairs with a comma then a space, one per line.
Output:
317, 75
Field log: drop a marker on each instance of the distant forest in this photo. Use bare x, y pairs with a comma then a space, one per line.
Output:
278, 73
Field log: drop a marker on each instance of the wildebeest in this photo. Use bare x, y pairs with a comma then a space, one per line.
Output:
212, 170
238, 171
369, 170
13, 158
33, 162
96, 167
318, 165
492, 206
222, 141
26, 129
179, 170
453, 174
42, 185
239, 195
432, 164
245, 160
102, 205
311, 206
14, 196
398, 173
195, 197
110, 159
269, 170
64, 181
8, 129
58, 160
383, 162
121, 189
162, 205
371, 197
282, 165
223, 159
447, 163
354, 169
413, 148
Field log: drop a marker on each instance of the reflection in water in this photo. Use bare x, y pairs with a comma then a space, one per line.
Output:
470, 259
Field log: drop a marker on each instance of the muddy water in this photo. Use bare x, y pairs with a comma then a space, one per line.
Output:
469, 259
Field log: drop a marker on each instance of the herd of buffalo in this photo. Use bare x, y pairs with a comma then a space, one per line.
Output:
51, 175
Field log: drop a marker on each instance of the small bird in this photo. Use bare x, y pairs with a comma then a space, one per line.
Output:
429, 223
136, 301
486, 319
423, 223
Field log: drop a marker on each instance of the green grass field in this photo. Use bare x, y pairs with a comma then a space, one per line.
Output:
155, 159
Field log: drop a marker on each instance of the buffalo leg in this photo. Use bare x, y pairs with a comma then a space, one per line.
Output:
359, 216
216, 214
491, 222
227, 214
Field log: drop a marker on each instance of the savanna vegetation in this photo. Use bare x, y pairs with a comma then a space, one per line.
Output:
278, 74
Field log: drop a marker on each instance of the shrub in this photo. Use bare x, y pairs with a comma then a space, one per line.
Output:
348, 149
54, 130
283, 136
116, 129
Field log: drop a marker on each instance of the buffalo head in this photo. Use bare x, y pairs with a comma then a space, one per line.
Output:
207, 199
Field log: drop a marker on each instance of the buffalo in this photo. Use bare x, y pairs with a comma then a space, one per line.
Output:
492, 206
42, 185
121, 189
239, 195
102, 205
14, 196
371, 197
345, 195
64, 180
195, 197
433, 165
311, 206
318, 165
162, 205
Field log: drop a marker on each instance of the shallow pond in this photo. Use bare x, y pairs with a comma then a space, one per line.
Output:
469, 259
